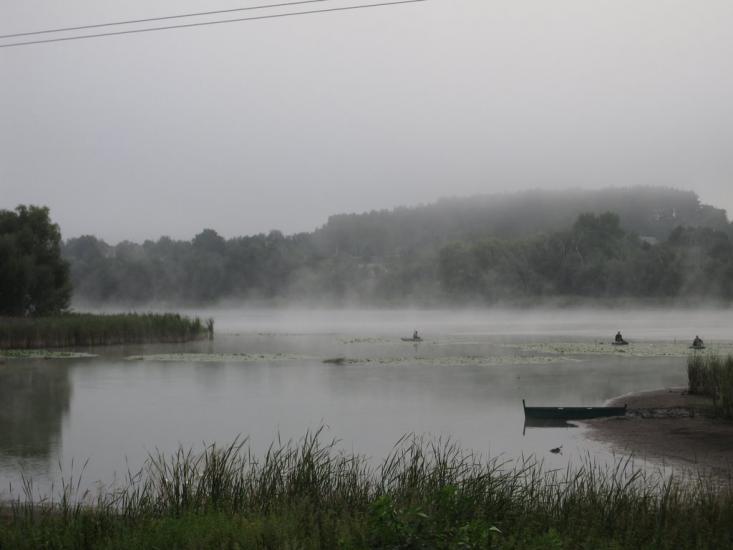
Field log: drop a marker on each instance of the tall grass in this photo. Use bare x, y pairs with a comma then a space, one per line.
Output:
84, 329
424, 495
712, 375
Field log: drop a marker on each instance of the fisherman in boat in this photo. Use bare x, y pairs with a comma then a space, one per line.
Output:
619, 338
415, 336
697, 342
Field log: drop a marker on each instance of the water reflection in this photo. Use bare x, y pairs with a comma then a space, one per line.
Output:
466, 381
546, 423
34, 400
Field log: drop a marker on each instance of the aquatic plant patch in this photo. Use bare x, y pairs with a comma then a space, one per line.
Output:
634, 349
42, 354
366, 340
71, 330
218, 357
483, 360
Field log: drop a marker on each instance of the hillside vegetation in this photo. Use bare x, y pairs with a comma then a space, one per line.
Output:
636, 243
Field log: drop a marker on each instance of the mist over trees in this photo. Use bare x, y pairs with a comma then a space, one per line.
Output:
637, 243
34, 280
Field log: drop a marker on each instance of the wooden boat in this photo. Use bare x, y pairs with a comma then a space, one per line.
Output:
418, 339
621, 343
571, 413
697, 347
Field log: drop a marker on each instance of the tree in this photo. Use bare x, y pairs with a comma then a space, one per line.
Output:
34, 280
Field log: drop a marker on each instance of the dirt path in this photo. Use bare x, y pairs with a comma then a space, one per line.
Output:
669, 426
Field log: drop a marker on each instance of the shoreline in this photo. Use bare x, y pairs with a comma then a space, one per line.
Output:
671, 427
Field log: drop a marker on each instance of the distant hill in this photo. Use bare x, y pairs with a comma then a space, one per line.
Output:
639, 243
646, 211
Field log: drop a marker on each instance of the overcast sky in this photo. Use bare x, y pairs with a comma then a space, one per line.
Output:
278, 123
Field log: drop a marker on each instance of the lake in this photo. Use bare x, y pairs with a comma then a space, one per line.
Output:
264, 377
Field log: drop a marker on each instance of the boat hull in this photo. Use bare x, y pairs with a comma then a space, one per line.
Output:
572, 413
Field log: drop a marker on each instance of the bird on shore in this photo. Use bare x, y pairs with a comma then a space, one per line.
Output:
557, 450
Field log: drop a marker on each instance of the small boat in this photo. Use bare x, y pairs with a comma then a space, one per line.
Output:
621, 343
697, 347
571, 413
418, 339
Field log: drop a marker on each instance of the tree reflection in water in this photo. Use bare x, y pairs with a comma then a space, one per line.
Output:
34, 398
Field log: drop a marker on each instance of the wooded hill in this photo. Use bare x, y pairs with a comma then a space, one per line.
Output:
654, 243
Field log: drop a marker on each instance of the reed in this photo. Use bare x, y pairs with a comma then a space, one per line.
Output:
712, 375
85, 330
424, 495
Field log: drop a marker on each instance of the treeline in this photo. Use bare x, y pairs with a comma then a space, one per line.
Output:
648, 211
593, 259
661, 244
34, 279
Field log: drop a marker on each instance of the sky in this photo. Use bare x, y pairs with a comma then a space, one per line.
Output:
278, 123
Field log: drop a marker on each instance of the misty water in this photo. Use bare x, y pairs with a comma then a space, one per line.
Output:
264, 377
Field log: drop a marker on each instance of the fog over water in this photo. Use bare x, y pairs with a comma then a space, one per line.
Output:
263, 376
278, 124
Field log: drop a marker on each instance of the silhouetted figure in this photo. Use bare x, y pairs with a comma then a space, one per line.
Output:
415, 336
619, 338
697, 342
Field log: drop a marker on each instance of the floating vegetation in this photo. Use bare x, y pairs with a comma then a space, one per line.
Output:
634, 349
483, 360
42, 354
217, 357
365, 340
85, 330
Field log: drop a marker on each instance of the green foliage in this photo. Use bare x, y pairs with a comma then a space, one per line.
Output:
712, 375
309, 495
34, 280
513, 249
84, 329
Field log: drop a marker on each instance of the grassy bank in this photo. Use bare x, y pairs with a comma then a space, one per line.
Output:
712, 375
423, 496
84, 329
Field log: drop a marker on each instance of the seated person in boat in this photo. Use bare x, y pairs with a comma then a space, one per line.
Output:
415, 336
619, 339
697, 342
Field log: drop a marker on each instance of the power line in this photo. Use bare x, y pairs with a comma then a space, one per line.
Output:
189, 25
150, 19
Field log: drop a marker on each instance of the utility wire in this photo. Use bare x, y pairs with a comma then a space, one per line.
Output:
150, 19
189, 25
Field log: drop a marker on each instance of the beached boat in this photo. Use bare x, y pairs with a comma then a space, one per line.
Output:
571, 413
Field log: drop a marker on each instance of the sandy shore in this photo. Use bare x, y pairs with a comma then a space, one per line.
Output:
669, 426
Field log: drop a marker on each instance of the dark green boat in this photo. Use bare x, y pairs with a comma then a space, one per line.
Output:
571, 413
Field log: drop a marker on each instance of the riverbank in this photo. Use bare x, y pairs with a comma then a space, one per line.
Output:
669, 426
312, 495
88, 330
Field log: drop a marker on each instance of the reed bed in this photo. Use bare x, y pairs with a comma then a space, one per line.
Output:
712, 375
424, 495
84, 330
